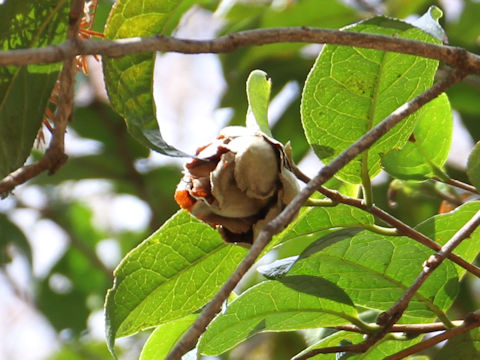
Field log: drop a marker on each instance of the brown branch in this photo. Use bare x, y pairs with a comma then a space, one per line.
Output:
188, 341
55, 155
459, 184
453, 56
411, 329
402, 228
472, 321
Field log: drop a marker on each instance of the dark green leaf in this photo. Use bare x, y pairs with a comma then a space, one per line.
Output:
375, 270
24, 91
12, 235
462, 347
428, 150
129, 80
165, 337
473, 166
170, 275
350, 90
291, 303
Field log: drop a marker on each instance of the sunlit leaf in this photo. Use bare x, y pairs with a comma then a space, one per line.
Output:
258, 95
291, 303
171, 274
350, 90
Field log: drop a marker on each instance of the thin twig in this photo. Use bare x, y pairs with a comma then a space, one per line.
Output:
459, 184
403, 228
472, 321
453, 56
55, 155
288, 214
411, 329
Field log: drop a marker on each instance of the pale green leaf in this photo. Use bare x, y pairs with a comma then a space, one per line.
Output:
291, 303
428, 149
171, 274
258, 95
350, 90
162, 340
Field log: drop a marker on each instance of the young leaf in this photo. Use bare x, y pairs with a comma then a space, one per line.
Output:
350, 90
442, 227
375, 270
129, 80
473, 166
26, 24
165, 337
258, 94
291, 303
171, 274
382, 349
428, 148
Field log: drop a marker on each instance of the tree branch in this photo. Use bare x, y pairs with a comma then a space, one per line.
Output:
288, 214
453, 56
472, 321
411, 329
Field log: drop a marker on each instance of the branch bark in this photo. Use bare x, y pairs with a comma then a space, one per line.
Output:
288, 214
453, 56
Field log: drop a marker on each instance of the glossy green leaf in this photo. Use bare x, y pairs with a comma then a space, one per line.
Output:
171, 274
129, 80
350, 90
462, 347
473, 166
258, 95
375, 270
428, 149
24, 91
165, 337
291, 303
313, 221
379, 351
442, 227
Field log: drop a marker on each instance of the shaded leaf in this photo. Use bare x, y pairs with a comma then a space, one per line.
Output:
26, 24
428, 149
162, 340
473, 166
291, 303
375, 270
350, 90
12, 235
129, 80
171, 274
462, 347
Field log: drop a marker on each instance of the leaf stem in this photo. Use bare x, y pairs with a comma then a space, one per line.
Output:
320, 202
388, 231
366, 182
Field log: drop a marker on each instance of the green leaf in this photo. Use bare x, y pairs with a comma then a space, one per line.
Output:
379, 351
258, 94
428, 150
162, 340
129, 80
350, 90
375, 270
11, 234
171, 274
462, 347
26, 24
442, 227
473, 166
291, 303
312, 222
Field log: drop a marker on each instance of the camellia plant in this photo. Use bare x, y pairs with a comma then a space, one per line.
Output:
337, 268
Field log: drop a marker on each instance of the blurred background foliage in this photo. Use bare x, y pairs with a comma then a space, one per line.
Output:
61, 236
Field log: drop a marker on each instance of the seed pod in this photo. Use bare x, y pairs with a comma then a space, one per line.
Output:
237, 183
